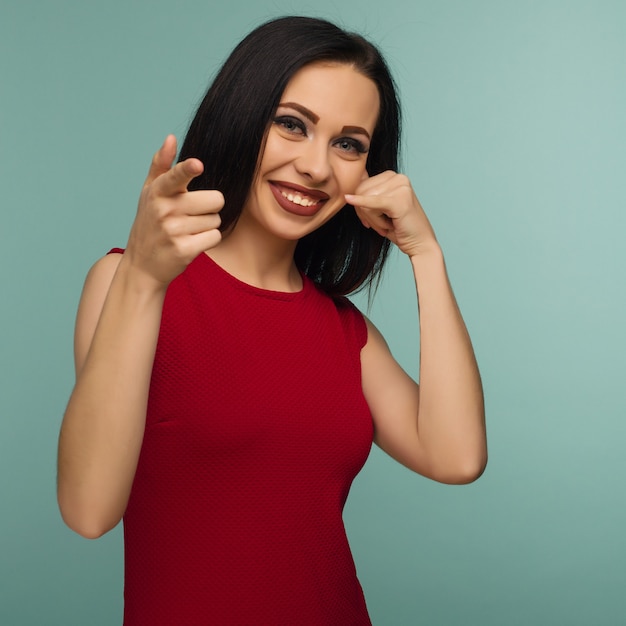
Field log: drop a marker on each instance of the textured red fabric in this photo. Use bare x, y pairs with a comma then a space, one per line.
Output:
256, 427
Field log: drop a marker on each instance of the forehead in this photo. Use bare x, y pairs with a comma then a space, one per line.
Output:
335, 92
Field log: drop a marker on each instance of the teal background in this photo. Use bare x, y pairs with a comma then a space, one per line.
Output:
515, 135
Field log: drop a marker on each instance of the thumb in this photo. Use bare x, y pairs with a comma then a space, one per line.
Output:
163, 159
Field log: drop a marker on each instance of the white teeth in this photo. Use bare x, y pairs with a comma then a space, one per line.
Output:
298, 199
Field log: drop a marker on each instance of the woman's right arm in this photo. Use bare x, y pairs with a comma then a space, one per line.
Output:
117, 328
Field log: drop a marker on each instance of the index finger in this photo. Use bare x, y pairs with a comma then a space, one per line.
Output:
162, 159
371, 182
368, 201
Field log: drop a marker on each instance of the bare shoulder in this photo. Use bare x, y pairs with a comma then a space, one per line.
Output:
376, 353
105, 266
375, 338
97, 283
99, 278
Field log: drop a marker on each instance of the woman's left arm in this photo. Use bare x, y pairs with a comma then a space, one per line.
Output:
438, 427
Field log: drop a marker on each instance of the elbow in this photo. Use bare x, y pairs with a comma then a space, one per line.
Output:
86, 523
467, 462
468, 476
87, 528
465, 473
459, 467
87, 532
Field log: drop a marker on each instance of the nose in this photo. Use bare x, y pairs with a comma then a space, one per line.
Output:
313, 162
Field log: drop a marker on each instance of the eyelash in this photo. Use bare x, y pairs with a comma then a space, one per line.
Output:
283, 120
298, 125
355, 144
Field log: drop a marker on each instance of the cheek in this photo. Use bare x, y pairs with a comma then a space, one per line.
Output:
277, 151
353, 176
268, 156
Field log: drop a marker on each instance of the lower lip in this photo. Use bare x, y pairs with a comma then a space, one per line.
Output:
292, 207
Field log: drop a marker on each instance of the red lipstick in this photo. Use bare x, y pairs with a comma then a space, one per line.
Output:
313, 199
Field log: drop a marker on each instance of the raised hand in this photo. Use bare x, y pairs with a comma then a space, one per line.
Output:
387, 203
172, 225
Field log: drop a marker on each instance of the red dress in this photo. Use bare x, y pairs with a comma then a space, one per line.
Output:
256, 427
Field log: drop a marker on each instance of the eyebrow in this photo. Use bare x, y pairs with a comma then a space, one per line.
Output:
355, 130
316, 118
303, 110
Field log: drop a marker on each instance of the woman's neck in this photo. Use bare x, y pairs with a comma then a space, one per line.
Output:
259, 259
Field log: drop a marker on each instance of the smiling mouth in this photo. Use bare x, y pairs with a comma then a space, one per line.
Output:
298, 200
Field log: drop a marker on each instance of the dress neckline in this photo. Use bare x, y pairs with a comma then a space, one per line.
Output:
253, 289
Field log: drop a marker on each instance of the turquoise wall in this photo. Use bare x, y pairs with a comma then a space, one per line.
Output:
515, 140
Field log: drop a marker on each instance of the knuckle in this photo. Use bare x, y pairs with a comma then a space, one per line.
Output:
162, 211
179, 169
214, 237
184, 250
171, 226
149, 192
216, 198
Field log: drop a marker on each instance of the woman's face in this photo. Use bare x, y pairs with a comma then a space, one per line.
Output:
316, 150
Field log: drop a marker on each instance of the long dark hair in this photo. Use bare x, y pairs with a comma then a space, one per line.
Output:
230, 126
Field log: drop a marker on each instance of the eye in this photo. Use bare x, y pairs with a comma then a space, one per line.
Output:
291, 125
351, 145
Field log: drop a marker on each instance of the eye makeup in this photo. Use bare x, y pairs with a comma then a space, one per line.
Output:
294, 125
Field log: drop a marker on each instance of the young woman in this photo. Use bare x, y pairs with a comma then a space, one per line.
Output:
227, 392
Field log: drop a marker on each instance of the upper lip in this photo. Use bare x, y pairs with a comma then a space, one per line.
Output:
316, 194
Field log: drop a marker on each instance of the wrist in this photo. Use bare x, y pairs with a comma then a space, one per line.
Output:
137, 280
430, 250
428, 265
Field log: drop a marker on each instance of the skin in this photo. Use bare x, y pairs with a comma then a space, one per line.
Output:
316, 144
